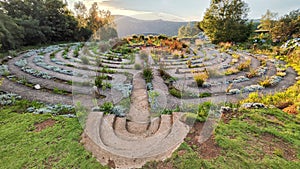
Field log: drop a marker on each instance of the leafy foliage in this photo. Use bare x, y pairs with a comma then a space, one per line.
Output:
148, 74
225, 20
34, 22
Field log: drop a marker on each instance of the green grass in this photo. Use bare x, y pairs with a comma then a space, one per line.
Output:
240, 148
53, 147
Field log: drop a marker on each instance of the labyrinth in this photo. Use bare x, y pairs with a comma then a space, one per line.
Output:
132, 95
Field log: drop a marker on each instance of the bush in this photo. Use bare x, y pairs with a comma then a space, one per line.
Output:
266, 82
244, 65
99, 81
175, 92
85, 60
107, 107
137, 66
200, 78
148, 74
252, 73
144, 55
202, 95
231, 71
203, 110
189, 63
214, 73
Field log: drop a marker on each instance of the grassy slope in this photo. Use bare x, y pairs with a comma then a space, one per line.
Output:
54, 147
244, 145
241, 139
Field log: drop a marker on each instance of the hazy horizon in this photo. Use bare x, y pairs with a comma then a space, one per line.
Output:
188, 10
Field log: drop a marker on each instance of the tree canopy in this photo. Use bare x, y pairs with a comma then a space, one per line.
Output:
190, 30
226, 21
287, 26
32, 22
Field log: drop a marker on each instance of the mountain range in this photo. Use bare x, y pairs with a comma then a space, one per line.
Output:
128, 26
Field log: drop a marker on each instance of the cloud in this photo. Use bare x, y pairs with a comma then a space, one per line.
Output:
186, 9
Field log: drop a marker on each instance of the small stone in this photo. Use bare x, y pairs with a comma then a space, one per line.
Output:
253, 105
297, 78
96, 109
37, 87
225, 109
9, 57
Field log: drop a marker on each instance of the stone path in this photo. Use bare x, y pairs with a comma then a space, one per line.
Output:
131, 142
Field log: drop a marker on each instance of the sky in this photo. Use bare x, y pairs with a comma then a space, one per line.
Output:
185, 10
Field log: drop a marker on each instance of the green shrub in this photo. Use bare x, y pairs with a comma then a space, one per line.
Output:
244, 65
99, 81
148, 74
203, 110
200, 78
175, 92
107, 107
202, 95
85, 60
137, 66
144, 55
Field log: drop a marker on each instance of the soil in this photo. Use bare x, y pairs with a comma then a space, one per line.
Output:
208, 149
269, 144
227, 116
43, 125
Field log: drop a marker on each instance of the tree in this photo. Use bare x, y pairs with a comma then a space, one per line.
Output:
190, 30
226, 21
267, 21
81, 14
10, 32
99, 21
287, 27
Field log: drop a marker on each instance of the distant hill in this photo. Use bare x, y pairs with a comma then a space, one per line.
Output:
128, 26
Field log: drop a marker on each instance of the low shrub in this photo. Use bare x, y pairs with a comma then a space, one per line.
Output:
148, 74
244, 65
214, 73
137, 66
200, 78
98, 81
266, 82
107, 107
252, 73
205, 94
189, 63
203, 110
85, 60
144, 55
231, 71
175, 92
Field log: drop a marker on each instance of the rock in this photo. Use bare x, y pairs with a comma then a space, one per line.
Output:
206, 84
96, 109
253, 105
37, 87
225, 109
9, 57
234, 91
297, 78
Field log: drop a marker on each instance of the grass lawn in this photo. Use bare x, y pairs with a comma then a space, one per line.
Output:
56, 146
267, 138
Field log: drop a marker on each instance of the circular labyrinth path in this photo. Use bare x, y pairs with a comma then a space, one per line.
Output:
134, 132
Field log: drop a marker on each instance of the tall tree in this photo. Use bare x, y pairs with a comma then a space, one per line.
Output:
100, 21
267, 21
287, 26
226, 21
189, 30
10, 33
81, 14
